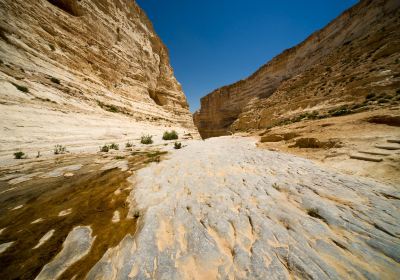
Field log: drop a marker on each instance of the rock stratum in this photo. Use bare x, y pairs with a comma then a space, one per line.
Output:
75, 72
231, 214
357, 54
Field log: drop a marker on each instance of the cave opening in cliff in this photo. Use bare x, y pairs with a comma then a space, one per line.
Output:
153, 95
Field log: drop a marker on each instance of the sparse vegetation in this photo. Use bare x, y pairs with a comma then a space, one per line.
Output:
128, 144
21, 88
177, 145
59, 149
52, 47
119, 157
55, 80
104, 149
38, 155
114, 146
170, 135
146, 139
19, 155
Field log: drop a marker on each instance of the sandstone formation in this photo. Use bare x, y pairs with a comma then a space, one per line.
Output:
352, 64
74, 72
237, 212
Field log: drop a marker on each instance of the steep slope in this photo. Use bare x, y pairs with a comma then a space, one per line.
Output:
79, 71
355, 55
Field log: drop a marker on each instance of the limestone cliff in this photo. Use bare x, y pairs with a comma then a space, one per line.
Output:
331, 72
83, 70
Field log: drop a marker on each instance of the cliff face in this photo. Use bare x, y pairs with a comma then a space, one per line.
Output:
357, 54
83, 70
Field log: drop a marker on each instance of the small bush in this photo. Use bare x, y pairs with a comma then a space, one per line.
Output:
119, 157
19, 155
21, 88
59, 149
128, 144
146, 139
114, 146
170, 135
104, 149
177, 145
55, 80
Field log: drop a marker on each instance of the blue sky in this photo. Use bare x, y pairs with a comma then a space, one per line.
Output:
213, 43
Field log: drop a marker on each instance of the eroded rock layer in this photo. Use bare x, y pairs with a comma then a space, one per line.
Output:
355, 55
231, 214
70, 67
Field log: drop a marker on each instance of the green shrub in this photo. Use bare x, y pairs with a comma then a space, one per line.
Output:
177, 145
128, 144
170, 135
59, 149
19, 155
146, 139
104, 149
55, 80
21, 88
114, 146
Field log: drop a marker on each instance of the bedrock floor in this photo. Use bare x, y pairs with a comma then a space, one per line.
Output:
224, 209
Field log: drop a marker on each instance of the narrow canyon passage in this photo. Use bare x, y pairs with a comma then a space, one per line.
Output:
224, 209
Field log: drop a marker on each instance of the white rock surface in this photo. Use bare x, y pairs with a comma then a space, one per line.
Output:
5, 246
223, 209
44, 238
76, 245
65, 212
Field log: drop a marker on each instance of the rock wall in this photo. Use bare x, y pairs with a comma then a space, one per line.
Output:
79, 71
355, 55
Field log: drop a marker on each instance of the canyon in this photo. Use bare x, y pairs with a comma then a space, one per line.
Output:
330, 73
306, 187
